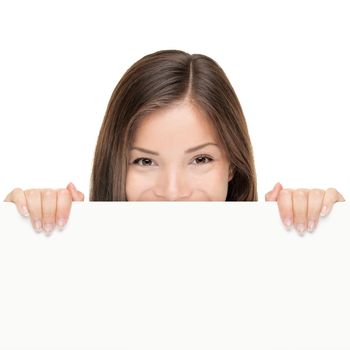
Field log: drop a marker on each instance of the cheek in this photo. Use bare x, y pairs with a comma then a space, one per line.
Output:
217, 185
136, 183
213, 183
216, 176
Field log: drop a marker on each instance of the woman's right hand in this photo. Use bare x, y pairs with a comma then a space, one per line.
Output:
46, 207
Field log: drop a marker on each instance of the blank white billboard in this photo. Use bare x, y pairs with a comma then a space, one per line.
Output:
174, 275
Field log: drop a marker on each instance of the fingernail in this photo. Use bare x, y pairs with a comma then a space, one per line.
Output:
25, 211
311, 225
300, 228
37, 226
287, 223
48, 228
61, 223
324, 210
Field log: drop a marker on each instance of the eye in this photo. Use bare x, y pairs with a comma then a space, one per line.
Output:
147, 162
136, 161
202, 159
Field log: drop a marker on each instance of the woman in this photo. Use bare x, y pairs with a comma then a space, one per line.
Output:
171, 110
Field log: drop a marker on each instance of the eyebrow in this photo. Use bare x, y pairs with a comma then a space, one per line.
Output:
193, 149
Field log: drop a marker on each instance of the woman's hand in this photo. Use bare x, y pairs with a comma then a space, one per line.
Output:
46, 207
303, 207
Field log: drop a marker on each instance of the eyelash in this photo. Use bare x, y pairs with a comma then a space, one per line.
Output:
210, 159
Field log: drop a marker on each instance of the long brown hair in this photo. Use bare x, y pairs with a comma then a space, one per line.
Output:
157, 80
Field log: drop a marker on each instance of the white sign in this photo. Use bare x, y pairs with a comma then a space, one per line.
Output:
174, 275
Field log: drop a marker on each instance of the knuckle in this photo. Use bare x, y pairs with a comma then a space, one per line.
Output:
317, 192
300, 216
48, 219
48, 193
331, 189
285, 192
49, 216
31, 192
332, 193
17, 191
16, 194
300, 192
64, 192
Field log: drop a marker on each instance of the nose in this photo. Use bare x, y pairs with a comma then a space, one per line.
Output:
173, 186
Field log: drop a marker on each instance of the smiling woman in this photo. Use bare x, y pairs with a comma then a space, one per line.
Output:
174, 130
167, 102
178, 172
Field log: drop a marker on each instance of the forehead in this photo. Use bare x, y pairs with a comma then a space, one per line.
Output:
176, 124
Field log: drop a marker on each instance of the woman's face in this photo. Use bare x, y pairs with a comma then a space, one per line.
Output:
167, 162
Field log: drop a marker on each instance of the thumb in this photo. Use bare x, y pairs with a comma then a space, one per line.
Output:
273, 194
77, 196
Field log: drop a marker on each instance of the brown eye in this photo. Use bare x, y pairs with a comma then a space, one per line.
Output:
137, 162
203, 160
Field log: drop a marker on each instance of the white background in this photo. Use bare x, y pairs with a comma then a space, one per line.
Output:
288, 62
211, 279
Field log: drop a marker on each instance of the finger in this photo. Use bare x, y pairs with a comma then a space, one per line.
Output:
64, 203
315, 201
300, 205
273, 194
49, 202
18, 197
77, 196
285, 206
33, 198
331, 196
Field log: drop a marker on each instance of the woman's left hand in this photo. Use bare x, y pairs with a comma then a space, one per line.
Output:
303, 207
